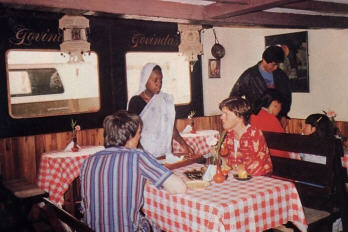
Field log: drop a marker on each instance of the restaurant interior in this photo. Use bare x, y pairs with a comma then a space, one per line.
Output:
216, 41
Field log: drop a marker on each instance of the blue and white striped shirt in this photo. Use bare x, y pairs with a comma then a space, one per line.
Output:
112, 187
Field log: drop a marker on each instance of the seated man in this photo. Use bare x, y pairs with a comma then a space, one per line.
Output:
113, 180
244, 145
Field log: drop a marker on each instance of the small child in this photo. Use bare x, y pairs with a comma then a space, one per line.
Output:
317, 125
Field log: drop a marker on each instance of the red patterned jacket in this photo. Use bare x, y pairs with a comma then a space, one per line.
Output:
252, 152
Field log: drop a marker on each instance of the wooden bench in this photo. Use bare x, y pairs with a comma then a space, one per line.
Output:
21, 195
321, 187
74, 223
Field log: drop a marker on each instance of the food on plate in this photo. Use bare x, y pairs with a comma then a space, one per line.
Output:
242, 173
194, 174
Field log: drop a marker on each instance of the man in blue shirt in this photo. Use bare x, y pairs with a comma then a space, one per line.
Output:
113, 180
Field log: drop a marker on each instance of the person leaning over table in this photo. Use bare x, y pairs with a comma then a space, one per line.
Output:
244, 145
265, 75
269, 106
113, 180
157, 111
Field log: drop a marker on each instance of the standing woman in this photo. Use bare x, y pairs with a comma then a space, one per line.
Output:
157, 111
244, 145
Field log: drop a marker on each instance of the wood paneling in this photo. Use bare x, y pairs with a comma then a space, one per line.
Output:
201, 123
20, 156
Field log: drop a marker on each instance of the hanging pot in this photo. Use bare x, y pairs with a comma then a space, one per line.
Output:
218, 51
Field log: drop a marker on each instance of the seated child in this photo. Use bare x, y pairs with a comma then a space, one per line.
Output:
321, 126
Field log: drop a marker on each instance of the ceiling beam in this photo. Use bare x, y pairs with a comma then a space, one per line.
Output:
241, 2
150, 8
323, 7
223, 11
285, 20
177, 12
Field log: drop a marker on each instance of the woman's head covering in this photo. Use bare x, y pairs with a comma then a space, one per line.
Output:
144, 76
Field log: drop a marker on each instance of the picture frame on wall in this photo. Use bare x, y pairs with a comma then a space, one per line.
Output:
214, 68
295, 65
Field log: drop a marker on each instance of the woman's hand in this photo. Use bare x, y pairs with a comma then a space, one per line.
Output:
188, 150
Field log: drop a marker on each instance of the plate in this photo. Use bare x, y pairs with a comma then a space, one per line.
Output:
197, 184
242, 179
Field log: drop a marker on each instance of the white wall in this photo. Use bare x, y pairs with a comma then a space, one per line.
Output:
328, 68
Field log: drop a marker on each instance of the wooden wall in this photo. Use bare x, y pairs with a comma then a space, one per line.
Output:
20, 156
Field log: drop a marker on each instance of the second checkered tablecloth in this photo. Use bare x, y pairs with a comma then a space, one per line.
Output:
59, 169
255, 205
198, 141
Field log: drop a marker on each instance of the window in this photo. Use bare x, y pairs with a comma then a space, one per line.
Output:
175, 69
43, 83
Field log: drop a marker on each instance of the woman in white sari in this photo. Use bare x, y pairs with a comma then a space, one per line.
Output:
157, 111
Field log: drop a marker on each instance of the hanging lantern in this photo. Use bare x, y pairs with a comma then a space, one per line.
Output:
190, 44
75, 37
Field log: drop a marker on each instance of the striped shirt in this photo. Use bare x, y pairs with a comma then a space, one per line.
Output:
112, 187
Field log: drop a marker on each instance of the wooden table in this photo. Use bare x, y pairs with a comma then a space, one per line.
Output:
255, 205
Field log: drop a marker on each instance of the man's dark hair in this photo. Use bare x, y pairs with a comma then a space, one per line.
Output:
120, 127
239, 106
273, 54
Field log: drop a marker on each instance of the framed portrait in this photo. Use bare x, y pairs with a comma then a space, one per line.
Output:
295, 47
214, 68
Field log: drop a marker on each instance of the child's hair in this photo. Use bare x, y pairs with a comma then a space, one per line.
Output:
324, 127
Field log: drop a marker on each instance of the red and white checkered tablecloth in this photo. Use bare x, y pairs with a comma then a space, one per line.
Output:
198, 141
255, 205
59, 169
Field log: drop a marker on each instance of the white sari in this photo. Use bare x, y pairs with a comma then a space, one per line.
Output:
158, 119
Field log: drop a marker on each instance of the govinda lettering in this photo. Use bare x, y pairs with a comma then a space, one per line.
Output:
26, 36
139, 40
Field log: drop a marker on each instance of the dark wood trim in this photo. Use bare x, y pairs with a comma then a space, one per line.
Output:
284, 20
223, 11
324, 7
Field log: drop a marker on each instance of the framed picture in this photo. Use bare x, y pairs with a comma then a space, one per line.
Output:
295, 47
214, 68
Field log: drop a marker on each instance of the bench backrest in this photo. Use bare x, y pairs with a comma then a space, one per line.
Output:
319, 185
